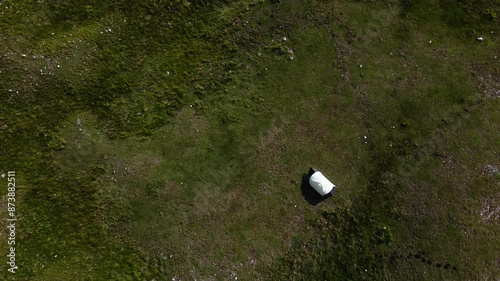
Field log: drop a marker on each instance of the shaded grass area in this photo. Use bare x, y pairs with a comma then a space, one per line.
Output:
178, 134
108, 60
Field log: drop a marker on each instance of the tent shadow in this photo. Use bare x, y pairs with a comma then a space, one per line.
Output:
308, 192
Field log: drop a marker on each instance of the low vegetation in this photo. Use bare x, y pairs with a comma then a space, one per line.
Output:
167, 140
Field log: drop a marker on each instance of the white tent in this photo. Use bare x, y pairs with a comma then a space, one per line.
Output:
321, 184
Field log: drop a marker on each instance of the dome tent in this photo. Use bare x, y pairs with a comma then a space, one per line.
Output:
320, 183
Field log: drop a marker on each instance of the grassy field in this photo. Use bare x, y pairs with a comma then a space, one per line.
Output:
167, 140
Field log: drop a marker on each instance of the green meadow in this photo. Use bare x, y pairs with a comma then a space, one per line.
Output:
168, 140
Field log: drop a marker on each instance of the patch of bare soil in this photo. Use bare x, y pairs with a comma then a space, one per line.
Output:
490, 211
490, 85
